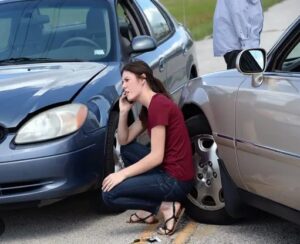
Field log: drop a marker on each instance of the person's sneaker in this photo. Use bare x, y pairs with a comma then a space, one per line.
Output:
2, 227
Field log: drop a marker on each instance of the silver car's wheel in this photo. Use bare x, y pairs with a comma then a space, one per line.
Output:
207, 193
206, 201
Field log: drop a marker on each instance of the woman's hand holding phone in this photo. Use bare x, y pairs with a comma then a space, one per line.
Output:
124, 104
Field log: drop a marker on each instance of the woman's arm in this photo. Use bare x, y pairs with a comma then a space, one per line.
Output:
153, 159
125, 134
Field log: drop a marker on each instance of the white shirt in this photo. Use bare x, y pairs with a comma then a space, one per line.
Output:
237, 25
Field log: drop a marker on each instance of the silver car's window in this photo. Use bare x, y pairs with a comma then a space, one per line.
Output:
57, 29
125, 24
295, 53
291, 62
159, 24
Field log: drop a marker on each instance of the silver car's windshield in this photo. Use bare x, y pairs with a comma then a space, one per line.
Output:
56, 30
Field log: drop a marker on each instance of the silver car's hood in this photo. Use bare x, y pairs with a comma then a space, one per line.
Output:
25, 89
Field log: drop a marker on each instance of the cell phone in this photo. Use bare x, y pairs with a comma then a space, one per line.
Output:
131, 102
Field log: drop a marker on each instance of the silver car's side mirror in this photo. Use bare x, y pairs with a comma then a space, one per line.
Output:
143, 44
251, 61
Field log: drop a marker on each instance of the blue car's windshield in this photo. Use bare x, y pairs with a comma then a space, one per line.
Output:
49, 30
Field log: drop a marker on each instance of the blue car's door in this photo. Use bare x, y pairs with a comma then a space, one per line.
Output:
158, 27
168, 60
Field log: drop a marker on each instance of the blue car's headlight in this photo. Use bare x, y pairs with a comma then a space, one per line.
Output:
52, 123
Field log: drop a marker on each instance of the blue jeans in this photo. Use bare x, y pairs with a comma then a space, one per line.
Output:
145, 191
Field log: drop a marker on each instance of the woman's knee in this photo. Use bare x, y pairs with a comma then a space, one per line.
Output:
133, 152
107, 198
129, 148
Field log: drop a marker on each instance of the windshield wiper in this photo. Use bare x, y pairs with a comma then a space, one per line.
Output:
24, 60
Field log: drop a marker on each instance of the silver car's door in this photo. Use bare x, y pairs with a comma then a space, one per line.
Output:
268, 131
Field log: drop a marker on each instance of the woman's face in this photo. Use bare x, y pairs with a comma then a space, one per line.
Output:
132, 85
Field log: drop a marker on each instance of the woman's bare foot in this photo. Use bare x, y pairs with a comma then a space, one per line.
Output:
171, 212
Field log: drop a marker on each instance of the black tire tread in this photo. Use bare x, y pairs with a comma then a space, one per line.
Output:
108, 166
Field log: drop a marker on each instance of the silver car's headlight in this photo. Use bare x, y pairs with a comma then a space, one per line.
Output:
53, 123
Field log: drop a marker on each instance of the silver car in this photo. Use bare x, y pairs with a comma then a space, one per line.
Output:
245, 130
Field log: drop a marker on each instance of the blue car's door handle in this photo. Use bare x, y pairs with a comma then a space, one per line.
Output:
161, 65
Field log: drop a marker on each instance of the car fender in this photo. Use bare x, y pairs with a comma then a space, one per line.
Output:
195, 94
101, 95
214, 95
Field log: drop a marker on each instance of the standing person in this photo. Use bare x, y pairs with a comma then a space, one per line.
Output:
237, 25
156, 179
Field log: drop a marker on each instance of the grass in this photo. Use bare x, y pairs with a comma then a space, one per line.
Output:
197, 15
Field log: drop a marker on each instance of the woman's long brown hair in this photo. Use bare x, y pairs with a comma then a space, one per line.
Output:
143, 70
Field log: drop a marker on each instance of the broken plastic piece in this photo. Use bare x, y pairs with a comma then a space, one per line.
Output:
151, 239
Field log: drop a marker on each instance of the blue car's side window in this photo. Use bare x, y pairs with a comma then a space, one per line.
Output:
5, 26
158, 23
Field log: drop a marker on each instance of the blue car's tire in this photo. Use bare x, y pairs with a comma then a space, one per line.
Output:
110, 159
110, 144
2, 227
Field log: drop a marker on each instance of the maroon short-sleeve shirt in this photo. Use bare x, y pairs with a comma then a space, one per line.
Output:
178, 153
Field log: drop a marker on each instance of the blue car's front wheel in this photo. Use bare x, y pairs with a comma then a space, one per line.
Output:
112, 158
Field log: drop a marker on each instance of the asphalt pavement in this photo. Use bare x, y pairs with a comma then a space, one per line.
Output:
276, 19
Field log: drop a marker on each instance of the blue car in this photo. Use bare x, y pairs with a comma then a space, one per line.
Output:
60, 81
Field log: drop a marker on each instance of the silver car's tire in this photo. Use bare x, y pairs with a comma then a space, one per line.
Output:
206, 200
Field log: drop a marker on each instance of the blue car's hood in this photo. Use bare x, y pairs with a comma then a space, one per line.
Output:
26, 88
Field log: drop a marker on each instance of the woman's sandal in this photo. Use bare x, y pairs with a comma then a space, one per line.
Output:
164, 230
142, 220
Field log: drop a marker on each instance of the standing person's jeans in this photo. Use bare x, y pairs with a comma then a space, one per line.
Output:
145, 191
230, 58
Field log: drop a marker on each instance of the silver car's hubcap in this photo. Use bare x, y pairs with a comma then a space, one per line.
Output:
207, 193
119, 164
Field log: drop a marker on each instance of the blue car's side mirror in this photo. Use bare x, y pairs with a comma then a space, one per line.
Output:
143, 44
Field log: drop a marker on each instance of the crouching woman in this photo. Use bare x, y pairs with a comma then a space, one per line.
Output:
157, 178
